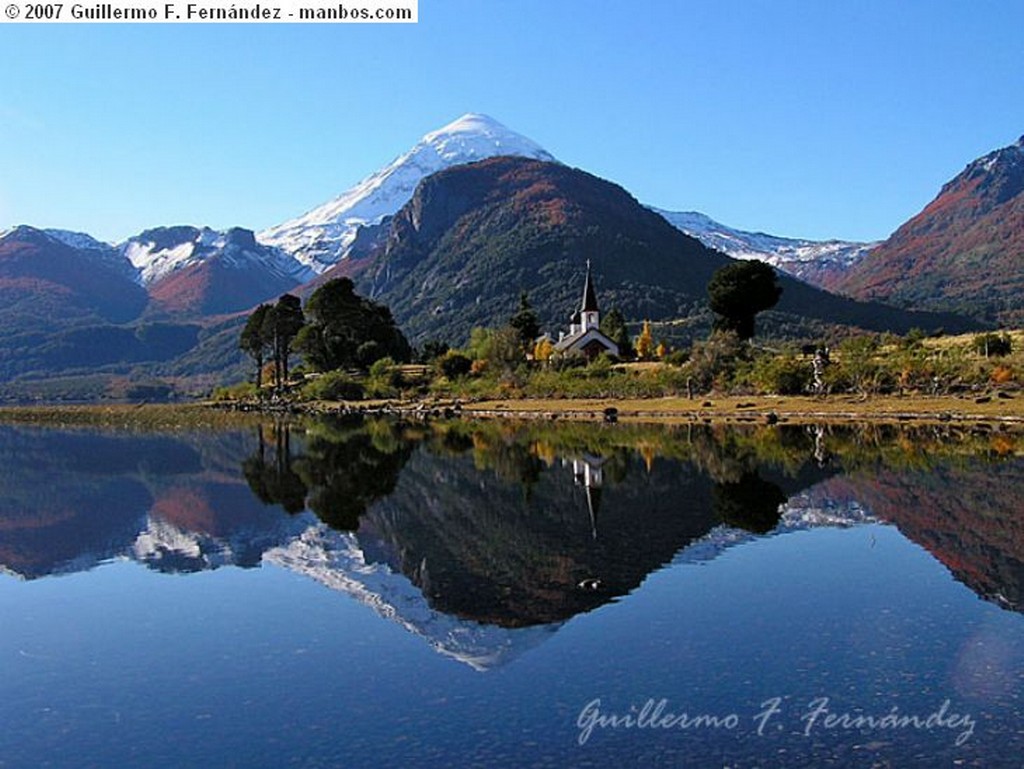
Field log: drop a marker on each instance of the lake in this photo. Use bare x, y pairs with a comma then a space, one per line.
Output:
374, 593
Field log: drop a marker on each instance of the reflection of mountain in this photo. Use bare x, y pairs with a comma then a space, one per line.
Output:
483, 539
482, 549
967, 515
68, 501
340, 561
196, 526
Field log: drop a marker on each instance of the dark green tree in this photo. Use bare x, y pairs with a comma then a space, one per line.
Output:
525, 322
281, 325
345, 330
613, 326
432, 350
254, 342
739, 291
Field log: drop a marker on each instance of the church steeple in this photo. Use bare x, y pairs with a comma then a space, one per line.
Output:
588, 310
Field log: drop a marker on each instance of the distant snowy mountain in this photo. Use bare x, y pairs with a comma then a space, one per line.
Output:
105, 252
190, 271
323, 236
329, 233
160, 251
812, 261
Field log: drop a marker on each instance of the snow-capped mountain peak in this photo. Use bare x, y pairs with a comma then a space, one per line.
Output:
324, 235
814, 261
158, 252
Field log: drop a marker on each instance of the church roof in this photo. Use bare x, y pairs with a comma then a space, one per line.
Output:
580, 339
589, 295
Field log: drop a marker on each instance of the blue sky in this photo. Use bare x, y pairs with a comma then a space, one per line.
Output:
811, 119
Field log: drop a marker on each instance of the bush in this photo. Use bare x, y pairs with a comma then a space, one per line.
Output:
993, 345
781, 374
713, 363
677, 357
384, 379
334, 386
235, 392
1002, 375
455, 365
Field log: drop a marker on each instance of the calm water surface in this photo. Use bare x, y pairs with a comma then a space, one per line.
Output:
348, 594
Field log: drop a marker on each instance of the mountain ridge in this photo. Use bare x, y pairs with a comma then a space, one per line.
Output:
474, 236
963, 252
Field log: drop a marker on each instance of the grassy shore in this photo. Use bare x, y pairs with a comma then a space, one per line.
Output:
799, 409
724, 409
156, 417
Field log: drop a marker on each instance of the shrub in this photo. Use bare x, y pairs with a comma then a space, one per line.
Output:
714, 361
235, 392
993, 345
677, 357
333, 386
455, 365
385, 379
781, 374
1002, 375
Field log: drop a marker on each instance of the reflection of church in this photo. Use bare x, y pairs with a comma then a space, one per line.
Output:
585, 337
588, 472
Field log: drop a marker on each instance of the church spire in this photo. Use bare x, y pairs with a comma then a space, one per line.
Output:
589, 295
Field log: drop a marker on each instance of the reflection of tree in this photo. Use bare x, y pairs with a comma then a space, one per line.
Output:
274, 481
750, 503
348, 466
343, 467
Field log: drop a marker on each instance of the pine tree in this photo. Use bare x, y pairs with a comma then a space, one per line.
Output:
253, 342
346, 330
739, 291
281, 324
613, 326
525, 322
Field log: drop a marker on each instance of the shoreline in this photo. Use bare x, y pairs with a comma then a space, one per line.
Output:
734, 409
1006, 410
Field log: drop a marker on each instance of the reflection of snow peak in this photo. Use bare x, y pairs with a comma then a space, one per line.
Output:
164, 546
800, 513
160, 541
336, 560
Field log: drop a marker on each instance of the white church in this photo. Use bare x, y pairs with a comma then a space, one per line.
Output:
584, 337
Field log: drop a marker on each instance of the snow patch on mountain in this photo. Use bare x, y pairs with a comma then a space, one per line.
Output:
95, 250
161, 251
79, 240
807, 260
324, 235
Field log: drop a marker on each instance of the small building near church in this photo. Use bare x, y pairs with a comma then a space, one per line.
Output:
585, 337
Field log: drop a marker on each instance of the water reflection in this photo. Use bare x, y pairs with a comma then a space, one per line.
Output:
468, 534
